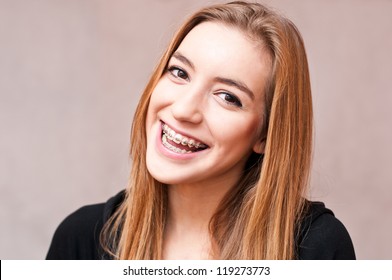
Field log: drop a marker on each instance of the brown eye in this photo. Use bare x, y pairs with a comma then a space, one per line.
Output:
178, 73
230, 99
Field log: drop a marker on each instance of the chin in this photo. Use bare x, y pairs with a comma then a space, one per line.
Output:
167, 177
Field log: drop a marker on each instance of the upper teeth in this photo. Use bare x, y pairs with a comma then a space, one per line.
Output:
179, 139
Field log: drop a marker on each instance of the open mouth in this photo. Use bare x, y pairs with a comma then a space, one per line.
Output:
178, 143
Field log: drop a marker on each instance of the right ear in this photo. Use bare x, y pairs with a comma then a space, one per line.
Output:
259, 146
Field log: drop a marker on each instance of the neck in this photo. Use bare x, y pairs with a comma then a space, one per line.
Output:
192, 206
190, 209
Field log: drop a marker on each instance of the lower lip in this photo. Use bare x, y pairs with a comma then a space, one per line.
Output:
170, 154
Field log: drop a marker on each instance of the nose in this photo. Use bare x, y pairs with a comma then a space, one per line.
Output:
188, 106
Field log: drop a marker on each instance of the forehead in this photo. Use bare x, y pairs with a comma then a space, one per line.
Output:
222, 39
218, 49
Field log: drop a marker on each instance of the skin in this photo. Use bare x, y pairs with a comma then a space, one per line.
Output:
212, 91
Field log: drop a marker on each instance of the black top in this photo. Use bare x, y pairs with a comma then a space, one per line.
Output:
322, 236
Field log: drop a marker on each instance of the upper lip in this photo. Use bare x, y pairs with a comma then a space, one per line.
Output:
179, 131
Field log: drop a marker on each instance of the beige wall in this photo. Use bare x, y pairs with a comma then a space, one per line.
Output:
71, 73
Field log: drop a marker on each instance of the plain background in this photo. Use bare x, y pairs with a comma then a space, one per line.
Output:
71, 72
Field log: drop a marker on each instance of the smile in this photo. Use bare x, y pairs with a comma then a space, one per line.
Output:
178, 143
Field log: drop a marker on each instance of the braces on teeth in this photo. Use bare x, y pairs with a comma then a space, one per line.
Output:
172, 148
177, 138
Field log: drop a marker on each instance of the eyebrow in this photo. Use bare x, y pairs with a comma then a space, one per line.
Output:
235, 83
230, 82
183, 59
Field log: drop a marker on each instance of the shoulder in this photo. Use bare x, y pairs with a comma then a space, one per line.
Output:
78, 235
322, 236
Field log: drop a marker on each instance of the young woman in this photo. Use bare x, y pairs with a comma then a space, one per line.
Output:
221, 150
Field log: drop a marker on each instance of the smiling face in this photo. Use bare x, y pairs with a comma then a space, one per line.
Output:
205, 114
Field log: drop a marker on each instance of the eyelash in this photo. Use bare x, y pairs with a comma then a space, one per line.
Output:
234, 99
172, 70
234, 102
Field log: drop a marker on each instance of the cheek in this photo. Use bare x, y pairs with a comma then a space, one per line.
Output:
160, 97
150, 114
238, 132
155, 104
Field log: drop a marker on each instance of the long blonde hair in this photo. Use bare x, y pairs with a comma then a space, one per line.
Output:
259, 217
